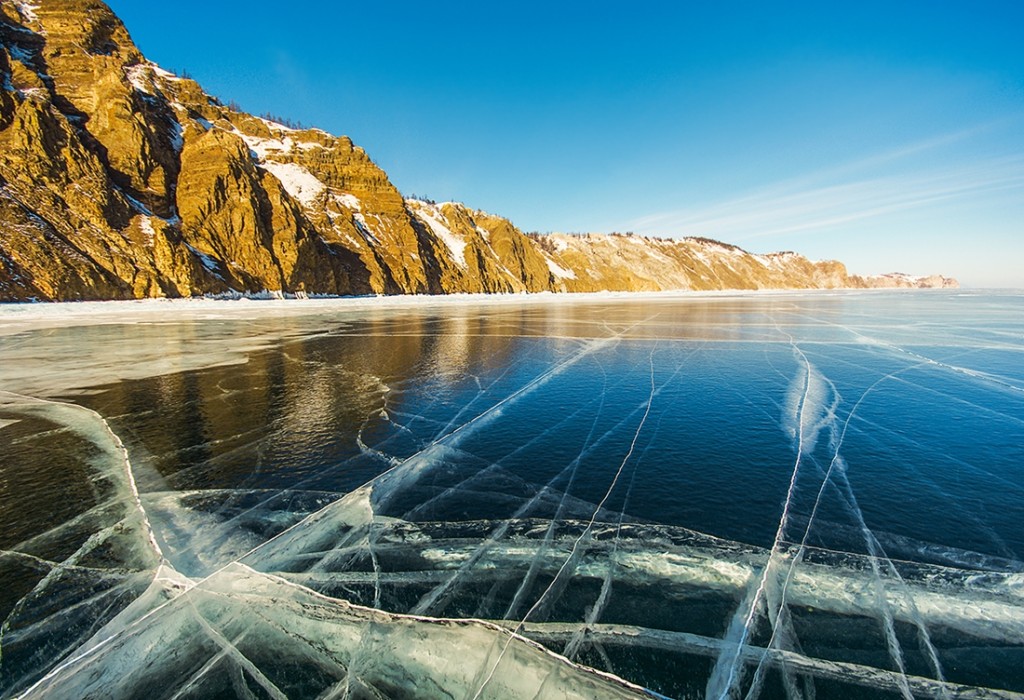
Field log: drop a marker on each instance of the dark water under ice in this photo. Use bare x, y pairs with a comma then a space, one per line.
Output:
797, 495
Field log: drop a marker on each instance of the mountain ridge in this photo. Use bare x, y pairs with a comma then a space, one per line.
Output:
119, 180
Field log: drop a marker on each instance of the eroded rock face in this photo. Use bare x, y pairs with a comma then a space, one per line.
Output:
120, 180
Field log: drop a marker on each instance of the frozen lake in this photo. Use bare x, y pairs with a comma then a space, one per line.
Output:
790, 495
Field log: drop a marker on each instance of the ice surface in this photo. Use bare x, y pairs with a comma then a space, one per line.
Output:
788, 495
86, 568
240, 631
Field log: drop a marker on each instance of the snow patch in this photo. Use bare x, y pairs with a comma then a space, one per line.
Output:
28, 10
900, 276
717, 248
559, 271
261, 148
207, 262
177, 136
165, 74
788, 256
296, 180
349, 200
139, 77
146, 225
276, 125
37, 93
364, 227
432, 217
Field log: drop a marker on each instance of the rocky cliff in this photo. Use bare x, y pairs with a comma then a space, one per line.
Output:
121, 180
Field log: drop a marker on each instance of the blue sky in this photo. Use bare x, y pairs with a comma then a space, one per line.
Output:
886, 135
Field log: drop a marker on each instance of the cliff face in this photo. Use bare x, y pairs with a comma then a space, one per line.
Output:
121, 180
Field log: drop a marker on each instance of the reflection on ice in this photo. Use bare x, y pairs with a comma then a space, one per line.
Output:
788, 496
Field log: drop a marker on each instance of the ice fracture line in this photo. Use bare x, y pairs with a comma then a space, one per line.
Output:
725, 675
836, 462
578, 541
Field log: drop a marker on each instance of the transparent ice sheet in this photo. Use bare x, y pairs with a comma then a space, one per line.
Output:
787, 496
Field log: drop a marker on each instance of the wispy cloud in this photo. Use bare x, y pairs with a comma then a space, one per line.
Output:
847, 193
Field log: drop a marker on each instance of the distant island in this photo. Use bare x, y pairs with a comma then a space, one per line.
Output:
120, 180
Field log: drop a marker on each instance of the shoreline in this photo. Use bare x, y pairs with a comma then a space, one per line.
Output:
38, 354
269, 300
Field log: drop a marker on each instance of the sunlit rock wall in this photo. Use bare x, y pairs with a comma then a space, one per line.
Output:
121, 180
